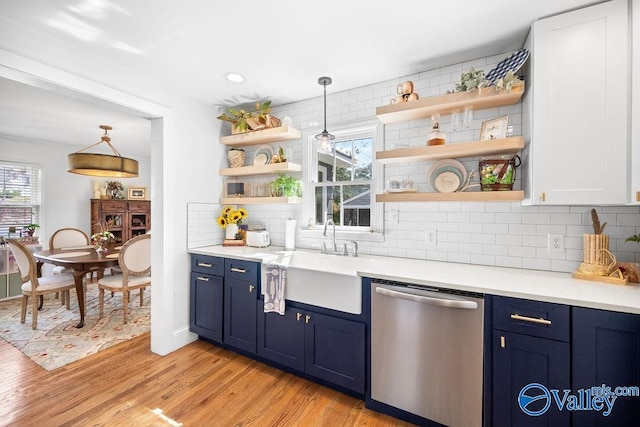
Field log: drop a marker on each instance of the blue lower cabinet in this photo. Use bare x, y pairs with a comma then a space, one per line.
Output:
281, 338
335, 350
325, 347
519, 363
206, 306
240, 314
606, 353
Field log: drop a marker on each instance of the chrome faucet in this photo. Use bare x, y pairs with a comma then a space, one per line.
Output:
355, 247
335, 246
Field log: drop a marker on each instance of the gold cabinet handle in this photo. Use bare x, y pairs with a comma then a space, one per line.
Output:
502, 342
298, 316
307, 318
251, 288
203, 279
637, 196
204, 264
543, 197
238, 270
531, 319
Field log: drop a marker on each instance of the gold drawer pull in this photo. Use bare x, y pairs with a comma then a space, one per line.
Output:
298, 316
531, 319
238, 270
203, 279
251, 288
204, 264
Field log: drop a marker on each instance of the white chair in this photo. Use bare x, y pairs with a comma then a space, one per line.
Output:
135, 262
69, 238
34, 286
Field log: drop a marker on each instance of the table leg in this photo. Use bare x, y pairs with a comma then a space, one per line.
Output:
79, 277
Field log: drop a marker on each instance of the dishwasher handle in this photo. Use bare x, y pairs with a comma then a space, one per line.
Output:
442, 302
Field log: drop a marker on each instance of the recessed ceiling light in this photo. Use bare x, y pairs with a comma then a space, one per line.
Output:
234, 77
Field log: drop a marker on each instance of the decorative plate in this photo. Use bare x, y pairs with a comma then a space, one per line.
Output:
513, 63
446, 182
452, 168
263, 155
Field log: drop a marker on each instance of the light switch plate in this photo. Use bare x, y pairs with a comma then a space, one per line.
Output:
431, 239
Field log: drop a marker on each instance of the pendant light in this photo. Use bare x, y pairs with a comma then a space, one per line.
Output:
107, 165
325, 137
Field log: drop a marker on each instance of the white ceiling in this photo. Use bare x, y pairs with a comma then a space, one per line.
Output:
281, 47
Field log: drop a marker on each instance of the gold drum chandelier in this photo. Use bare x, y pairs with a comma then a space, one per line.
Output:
107, 165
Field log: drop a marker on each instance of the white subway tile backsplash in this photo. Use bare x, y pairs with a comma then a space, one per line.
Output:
498, 233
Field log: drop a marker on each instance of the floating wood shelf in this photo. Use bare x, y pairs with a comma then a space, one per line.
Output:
473, 196
282, 133
510, 145
445, 104
259, 200
261, 169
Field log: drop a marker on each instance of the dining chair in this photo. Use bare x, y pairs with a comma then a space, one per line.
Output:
34, 286
70, 237
135, 262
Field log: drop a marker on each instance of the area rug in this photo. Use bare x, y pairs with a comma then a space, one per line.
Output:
57, 341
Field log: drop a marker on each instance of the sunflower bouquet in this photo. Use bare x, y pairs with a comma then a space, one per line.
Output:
231, 216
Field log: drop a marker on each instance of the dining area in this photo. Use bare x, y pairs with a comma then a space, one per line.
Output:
80, 294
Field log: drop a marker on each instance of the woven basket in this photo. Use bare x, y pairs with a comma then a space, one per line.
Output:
236, 158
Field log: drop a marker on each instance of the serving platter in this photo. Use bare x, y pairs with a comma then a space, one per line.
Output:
263, 155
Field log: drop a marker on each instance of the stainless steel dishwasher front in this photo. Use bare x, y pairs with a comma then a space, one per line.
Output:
426, 352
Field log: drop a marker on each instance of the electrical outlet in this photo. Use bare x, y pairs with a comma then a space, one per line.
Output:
431, 239
555, 243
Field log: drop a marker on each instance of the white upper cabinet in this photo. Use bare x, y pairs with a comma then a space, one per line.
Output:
576, 109
635, 107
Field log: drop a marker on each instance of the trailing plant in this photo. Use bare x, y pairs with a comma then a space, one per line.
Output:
240, 118
508, 82
472, 79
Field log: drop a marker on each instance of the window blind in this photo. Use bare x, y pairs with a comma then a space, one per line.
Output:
20, 196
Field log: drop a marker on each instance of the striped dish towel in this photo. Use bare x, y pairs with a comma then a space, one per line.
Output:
276, 278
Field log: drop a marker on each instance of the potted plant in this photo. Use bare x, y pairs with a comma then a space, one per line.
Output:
30, 228
286, 186
243, 121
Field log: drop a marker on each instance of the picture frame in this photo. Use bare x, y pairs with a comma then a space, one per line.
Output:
137, 193
494, 128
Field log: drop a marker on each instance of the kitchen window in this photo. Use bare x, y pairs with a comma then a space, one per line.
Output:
20, 186
342, 179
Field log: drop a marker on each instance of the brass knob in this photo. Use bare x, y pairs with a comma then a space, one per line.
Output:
298, 316
307, 318
251, 288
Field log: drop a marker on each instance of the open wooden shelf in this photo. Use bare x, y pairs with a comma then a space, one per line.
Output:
282, 133
472, 196
261, 169
445, 104
259, 200
510, 145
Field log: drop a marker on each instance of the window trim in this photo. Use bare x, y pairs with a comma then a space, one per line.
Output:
309, 156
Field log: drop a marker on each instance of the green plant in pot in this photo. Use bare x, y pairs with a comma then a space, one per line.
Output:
241, 120
30, 228
286, 186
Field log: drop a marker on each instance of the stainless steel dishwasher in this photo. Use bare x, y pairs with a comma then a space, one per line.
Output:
426, 351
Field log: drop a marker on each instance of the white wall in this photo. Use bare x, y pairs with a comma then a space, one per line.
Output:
65, 196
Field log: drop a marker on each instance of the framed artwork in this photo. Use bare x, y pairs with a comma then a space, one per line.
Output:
137, 193
494, 128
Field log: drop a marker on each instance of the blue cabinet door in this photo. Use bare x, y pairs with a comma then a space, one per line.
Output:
606, 350
520, 360
281, 338
206, 306
335, 350
240, 314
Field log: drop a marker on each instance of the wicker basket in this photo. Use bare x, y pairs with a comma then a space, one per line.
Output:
236, 158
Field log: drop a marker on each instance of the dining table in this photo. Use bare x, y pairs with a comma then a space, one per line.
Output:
80, 260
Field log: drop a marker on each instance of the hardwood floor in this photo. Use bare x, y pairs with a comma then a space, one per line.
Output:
197, 385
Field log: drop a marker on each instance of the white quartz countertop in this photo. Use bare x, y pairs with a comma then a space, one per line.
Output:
520, 283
